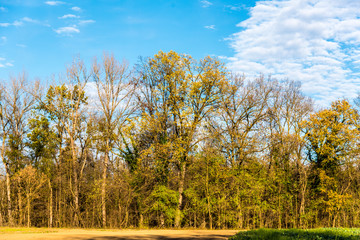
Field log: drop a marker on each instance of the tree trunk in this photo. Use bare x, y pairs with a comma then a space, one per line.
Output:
76, 200
208, 196
103, 190
50, 206
334, 219
141, 221
302, 203
195, 223
20, 222
239, 212
162, 220
8, 192
279, 209
76, 185
181, 190
119, 217
126, 217
203, 224
59, 201
28, 209
1, 208
240, 218
8, 186
1, 219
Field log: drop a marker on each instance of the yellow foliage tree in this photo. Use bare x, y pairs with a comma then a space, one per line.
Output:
332, 136
175, 94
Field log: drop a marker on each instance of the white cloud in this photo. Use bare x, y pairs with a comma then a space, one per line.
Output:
67, 30
4, 63
18, 23
69, 16
54, 3
27, 19
15, 23
314, 42
2, 9
206, 3
21, 45
3, 40
212, 27
84, 22
235, 7
77, 9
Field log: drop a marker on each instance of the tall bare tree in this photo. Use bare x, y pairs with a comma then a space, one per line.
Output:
114, 94
15, 103
65, 104
242, 110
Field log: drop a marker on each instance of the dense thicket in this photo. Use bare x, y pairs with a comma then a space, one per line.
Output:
175, 142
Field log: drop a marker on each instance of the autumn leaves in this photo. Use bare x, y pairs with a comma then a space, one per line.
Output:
175, 142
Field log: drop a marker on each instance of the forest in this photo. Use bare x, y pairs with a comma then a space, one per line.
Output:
174, 142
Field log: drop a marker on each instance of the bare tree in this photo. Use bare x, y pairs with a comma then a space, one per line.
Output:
288, 108
242, 110
15, 103
114, 93
65, 104
29, 183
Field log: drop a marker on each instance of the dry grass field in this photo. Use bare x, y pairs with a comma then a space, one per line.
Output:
82, 234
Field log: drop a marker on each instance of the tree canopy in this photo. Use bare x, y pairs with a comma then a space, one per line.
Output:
175, 142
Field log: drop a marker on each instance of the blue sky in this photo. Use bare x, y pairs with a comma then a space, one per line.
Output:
313, 41
41, 37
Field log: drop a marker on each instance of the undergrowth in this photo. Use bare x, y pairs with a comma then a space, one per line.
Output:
299, 234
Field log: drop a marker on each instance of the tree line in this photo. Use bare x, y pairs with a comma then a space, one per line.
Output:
174, 142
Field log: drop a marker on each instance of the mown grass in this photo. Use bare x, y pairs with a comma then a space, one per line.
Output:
299, 234
4, 230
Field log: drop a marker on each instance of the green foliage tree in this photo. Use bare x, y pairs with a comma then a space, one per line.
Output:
162, 204
43, 145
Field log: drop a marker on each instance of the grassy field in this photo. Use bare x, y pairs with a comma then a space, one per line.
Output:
299, 234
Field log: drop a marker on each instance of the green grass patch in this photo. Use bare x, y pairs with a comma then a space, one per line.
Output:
4, 230
299, 234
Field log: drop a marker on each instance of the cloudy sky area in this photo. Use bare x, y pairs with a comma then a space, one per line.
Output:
313, 41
